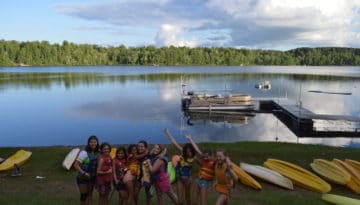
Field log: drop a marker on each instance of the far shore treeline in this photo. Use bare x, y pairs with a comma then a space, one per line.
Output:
14, 53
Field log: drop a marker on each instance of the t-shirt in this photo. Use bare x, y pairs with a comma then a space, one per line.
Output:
87, 162
83, 155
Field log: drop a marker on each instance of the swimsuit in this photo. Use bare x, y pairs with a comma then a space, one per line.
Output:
183, 169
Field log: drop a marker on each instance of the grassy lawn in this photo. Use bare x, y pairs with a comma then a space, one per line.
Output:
59, 187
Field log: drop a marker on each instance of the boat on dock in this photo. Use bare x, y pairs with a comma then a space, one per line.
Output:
217, 102
263, 86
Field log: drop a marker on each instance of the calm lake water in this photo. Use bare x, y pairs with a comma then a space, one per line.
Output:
43, 106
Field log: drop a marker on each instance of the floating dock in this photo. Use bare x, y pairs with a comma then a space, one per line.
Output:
305, 123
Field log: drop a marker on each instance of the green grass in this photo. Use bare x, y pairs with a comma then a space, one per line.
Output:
59, 186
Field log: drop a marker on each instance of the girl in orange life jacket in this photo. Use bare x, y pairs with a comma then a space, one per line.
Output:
206, 172
104, 174
183, 169
225, 177
143, 155
130, 178
85, 165
119, 170
159, 175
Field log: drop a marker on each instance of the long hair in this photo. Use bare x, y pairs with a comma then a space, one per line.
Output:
88, 148
104, 144
144, 143
186, 147
123, 149
130, 148
161, 147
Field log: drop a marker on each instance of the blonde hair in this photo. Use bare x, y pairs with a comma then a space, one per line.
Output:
223, 151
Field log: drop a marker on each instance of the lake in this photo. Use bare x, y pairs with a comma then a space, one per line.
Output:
43, 106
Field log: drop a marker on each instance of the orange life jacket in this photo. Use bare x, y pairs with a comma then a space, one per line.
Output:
133, 165
223, 180
207, 170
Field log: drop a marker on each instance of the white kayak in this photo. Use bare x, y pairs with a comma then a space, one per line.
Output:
267, 175
70, 158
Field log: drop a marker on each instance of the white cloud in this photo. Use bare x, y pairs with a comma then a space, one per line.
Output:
248, 23
169, 35
269, 23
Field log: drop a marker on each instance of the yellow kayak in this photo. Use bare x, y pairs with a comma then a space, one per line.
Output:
330, 171
353, 163
19, 158
113, 152
354, 183
340, 200
245, 178
298, 175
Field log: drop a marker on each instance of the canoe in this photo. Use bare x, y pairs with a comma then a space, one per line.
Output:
19, 158
340, 200
353, 163
330, 171
70, 158
267, 175
354, 183
298, 175
113, 152
245, 178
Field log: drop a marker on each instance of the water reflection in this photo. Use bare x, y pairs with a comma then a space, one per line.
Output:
63, 106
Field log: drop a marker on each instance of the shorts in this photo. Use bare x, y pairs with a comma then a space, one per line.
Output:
203, 183
183, 179
104, 188
147, 187
85, 181
120, 186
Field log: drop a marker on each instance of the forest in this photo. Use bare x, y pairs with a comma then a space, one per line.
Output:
42, 53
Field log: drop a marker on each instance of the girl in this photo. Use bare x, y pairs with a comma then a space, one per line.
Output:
183, 169
206, 172
85, 165
130, 178
225, 177
119, 170
143, 155
132, 166
104, 173
159, 176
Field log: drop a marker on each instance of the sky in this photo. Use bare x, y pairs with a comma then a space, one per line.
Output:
253, 24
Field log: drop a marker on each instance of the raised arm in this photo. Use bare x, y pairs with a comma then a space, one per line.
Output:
189, 138
172, 139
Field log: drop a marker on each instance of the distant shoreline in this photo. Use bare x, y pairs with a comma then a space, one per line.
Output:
43, 53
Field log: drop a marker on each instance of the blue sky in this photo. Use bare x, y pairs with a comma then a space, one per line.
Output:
265, 24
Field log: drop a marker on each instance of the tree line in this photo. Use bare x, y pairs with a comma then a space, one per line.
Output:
36, 53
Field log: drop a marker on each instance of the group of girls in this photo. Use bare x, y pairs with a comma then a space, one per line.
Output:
137, 167
214, 171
